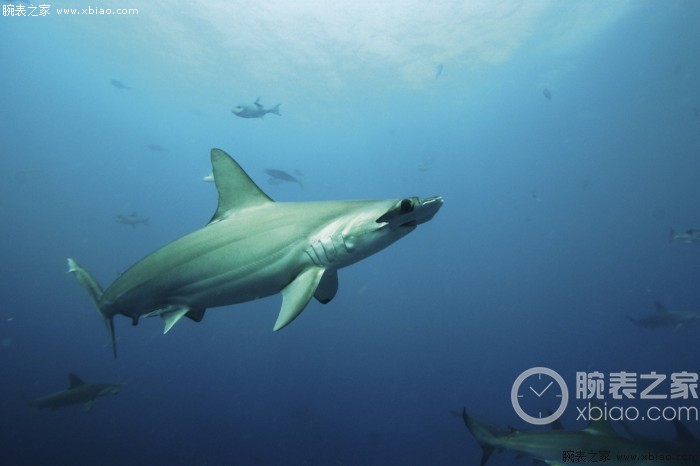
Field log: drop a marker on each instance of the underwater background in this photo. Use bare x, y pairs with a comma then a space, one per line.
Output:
563, 136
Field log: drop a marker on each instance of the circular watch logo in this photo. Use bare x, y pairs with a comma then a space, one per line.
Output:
538, 391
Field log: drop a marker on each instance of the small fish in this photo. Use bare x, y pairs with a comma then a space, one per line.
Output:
256, 110
547, 93
690, 236
119, 85
438, 70
131, 219
208, 178
282, 176
157, 148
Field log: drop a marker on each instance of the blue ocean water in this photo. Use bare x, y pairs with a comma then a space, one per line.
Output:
563, 136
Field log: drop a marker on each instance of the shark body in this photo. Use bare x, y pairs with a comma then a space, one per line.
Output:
76, 393
254, 247
664, 317
549, 447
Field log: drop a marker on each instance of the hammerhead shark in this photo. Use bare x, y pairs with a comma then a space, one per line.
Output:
664, 317
77, 392
254, 247
551, 446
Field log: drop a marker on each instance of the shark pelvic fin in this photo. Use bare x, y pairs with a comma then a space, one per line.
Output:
236, 189
196, 315
172, 317
74, 381
328, 287
297, 295
94, 291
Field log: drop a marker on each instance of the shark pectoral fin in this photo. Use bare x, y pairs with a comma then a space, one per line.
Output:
88, 405
328, 287
297, 295
171, 317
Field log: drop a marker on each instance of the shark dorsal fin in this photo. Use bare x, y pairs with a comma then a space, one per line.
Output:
236, 189
601, 427
257, 103
74, 381
683, 435
660, 307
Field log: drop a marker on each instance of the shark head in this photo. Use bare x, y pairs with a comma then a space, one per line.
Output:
374, 225
410, 212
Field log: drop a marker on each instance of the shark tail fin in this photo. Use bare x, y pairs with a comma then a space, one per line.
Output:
483, 434
276, 110
672, 235
94, 292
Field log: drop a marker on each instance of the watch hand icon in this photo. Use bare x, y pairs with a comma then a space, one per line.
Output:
539, 395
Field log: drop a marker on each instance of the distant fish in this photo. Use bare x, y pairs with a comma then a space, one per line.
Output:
664, 317
547, 93
256, 110
119, 85
438, 71
689, 236
282, 176
132, 219
77, 392
208, 178
157, 148
536, 195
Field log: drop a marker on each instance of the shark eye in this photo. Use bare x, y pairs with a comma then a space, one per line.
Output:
406, 206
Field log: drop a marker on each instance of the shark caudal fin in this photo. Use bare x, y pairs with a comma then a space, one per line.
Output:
94, 291
276, 110
484, 435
